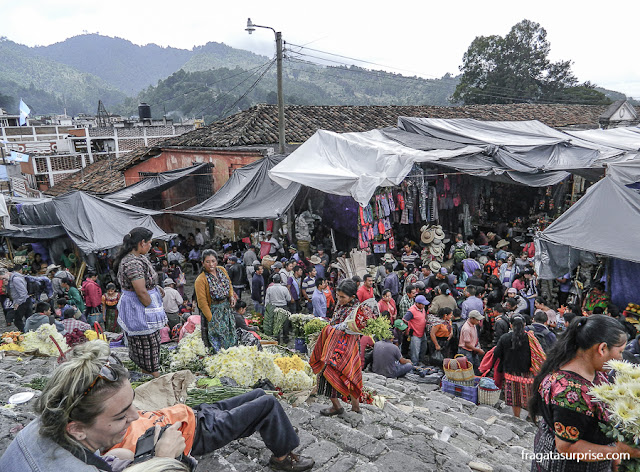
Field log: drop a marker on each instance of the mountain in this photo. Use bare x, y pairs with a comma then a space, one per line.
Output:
126, 66
217, 55
25, 72
214, 94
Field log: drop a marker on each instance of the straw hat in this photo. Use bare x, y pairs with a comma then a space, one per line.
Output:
437, 243
502, 243
268, 261
436, 251
438, 232
427, 237
315, 260
388, 258
434, 266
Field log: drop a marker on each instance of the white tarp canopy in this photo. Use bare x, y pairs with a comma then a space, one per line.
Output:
626, 139
604, 221
355, 164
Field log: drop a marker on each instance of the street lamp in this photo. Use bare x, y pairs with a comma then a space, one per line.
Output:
250, 29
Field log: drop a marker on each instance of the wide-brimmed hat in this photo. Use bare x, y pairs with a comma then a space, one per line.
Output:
268, 261
388, 258
427, 236
51, 267
436, 251
437, 230
168, 281
502, 243
315, 260
434, 266
491, 234
424, 228
437, 242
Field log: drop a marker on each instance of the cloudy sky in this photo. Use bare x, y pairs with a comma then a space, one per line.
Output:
423, 38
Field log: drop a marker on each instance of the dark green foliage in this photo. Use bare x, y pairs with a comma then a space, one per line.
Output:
516, 69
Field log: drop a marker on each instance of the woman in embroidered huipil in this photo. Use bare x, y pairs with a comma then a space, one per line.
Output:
568, 416
215, 297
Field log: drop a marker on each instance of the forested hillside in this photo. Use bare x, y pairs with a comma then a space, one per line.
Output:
49, 84
214, 94
124, 65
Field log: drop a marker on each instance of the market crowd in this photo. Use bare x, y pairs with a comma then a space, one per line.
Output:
477, 296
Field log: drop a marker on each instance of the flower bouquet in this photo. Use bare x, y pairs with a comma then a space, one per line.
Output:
191, 349
621, 398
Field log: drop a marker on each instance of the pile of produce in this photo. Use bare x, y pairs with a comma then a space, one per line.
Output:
378, 328
288, 364
75, 337
314, 326
196, 396
92, 335
190, 349
298, 321
274, 320
246, 365
10, 341
40, 340
12, 337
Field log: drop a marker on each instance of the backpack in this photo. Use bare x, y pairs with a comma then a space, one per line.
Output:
459, 254
33, 285
541, 336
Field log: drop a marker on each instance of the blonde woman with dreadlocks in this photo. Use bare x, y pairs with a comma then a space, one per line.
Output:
88, 422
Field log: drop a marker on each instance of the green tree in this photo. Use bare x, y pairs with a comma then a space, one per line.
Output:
512, 69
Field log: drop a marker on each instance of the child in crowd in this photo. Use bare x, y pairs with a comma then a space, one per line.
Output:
110, 301
40, 317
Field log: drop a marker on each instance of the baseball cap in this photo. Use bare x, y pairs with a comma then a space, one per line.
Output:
512, 290
444, 271
399, 324
422, 299
476, 314
277, 265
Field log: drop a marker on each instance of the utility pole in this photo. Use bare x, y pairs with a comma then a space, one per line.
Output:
281, 135
281, 138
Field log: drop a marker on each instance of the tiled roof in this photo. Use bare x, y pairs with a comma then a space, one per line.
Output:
259, 126
103, 176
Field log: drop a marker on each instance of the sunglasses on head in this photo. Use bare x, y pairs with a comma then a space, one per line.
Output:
107, 373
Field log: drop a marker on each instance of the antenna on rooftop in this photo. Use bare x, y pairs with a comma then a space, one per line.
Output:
103, 115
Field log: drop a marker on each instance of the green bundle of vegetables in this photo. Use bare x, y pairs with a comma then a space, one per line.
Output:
267, 321
378, 328
280, 317
314, 326
196, 396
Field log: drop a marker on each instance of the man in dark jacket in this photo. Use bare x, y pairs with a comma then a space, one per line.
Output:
236, 274
257, 289
501, 325
541, 331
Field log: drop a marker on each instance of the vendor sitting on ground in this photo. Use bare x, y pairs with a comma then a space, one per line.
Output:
87, 406
388, 361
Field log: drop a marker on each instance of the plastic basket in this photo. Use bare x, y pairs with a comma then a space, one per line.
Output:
469, 393
488, 396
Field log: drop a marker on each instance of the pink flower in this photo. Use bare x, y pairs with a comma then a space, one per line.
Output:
572, 396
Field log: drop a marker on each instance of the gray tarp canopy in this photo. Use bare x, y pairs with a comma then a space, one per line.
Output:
248, 194
524, 152
33, 233
92, 223
604, 221
151, 186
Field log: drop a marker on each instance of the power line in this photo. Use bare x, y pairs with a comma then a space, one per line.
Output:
360, 60
224, 113
225, 94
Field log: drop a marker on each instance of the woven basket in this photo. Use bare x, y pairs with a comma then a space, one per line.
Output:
458, 375
488, 396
